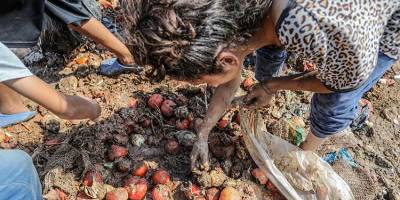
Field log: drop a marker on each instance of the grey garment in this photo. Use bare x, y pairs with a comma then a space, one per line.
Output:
68, 11
56, 36
10, 66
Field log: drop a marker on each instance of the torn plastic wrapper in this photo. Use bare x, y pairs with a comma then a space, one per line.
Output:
297, 174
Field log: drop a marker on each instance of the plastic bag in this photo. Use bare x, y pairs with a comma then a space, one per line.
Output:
297, 174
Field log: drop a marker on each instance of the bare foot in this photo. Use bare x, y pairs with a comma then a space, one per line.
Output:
312, 142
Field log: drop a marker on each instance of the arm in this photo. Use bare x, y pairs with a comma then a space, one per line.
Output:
262, 93
302, 82
64, 106
221, 99
100, 34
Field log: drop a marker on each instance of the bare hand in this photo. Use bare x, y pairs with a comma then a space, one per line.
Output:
96, 111
80, 108
200, 153
258, 97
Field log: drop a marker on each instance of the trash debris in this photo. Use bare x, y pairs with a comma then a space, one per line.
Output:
386, 81
343, 154
360, 119
291, 170
296, 129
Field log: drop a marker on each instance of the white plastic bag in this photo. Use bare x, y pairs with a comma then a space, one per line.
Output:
297, 174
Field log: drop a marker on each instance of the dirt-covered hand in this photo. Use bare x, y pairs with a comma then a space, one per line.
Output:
258, 97
199, 155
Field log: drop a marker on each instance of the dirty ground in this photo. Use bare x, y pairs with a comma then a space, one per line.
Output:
65, 151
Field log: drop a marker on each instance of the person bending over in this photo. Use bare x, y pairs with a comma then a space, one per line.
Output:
351, 43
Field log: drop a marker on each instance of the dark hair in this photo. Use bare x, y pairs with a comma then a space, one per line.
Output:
181, 38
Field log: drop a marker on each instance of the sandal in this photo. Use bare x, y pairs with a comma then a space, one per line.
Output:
112, 67
9, 120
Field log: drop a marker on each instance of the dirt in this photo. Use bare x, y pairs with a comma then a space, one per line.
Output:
63, 151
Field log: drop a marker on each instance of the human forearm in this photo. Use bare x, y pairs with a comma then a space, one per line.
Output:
221, 99
100, 34
64, 106
302, 82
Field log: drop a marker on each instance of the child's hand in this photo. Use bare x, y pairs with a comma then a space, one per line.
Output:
80, 108
69, 107
96, 110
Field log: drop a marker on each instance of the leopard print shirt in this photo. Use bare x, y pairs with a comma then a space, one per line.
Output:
342, 38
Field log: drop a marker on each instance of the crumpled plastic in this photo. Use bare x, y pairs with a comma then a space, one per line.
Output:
296, 173
343, 153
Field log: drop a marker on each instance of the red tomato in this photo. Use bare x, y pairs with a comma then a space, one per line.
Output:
155, 101
247, 84
117, 152
117, 194
133, 103
192, 192
136, 187
161, 192
260, 176
140, 170
172, 147
182, 124
271, 186
161, 177
167, 108
223, 123
88, 178
212, 194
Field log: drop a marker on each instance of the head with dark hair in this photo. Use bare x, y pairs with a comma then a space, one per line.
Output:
183, 38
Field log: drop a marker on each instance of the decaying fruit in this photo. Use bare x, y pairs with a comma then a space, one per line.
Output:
223, 123
260, 176
155, 101
161, 177
145, 122
124, 165
182, 124
230, 193
133, 103
192, 192
221, 151
140, 169
172, 147
212, 194
271, 186
167, 108
117, 152
136, 187
90, 176
161, 192
117, 194
121, 138
83, 196
247, 84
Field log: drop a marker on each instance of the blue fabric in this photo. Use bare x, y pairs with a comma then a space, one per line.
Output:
9, 120
269, 62
18, 177
343, 153
330, 113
